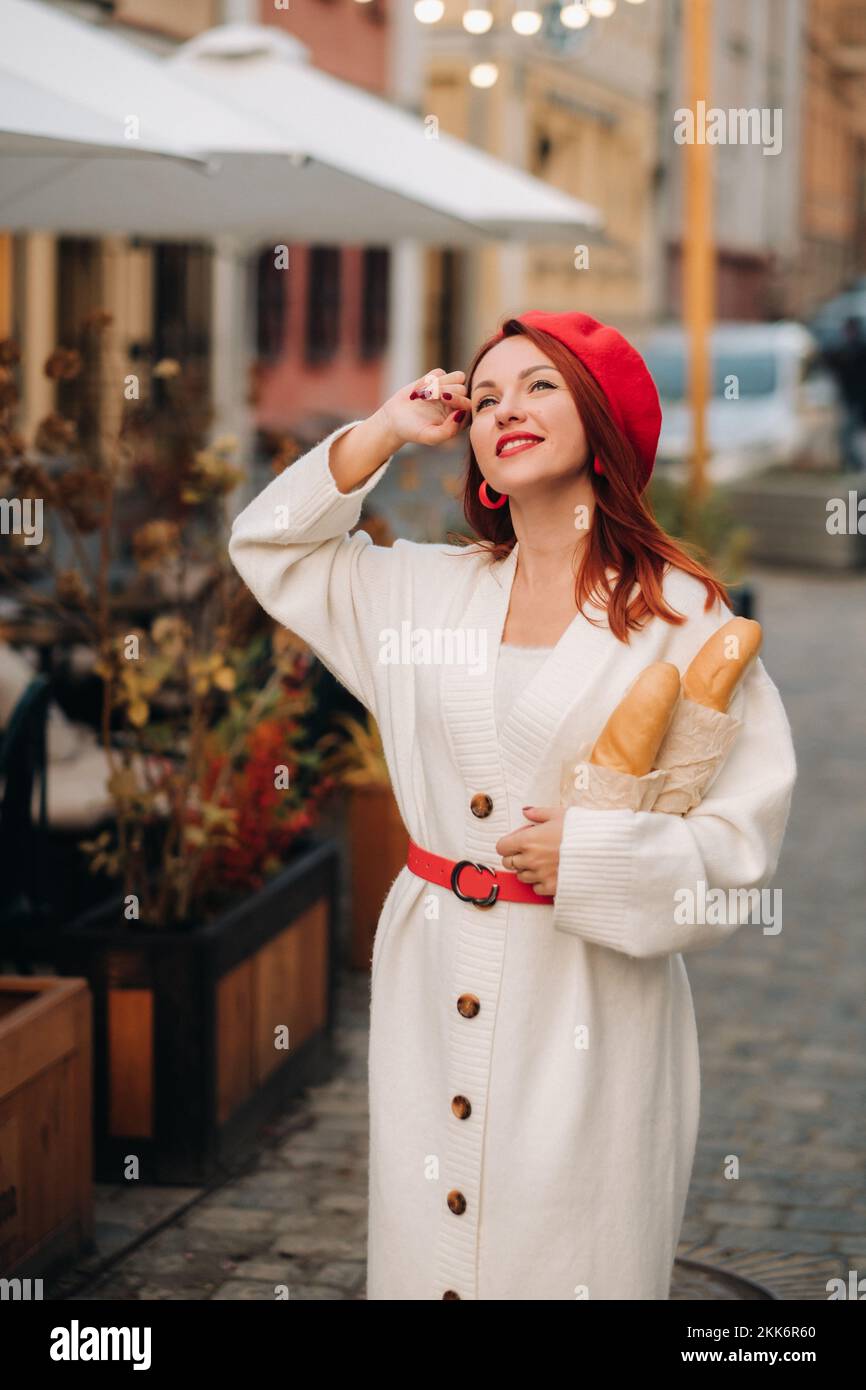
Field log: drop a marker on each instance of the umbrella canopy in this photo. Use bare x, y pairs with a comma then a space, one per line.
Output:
368, 155
79, 110
290, 151
37, 121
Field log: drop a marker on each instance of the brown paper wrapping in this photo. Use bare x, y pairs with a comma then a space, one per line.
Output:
605, 789
693, 750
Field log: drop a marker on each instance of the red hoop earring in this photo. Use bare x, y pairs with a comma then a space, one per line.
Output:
484, 497
596, 463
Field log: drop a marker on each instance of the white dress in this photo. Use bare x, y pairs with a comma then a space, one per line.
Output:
514, 670
567, 1027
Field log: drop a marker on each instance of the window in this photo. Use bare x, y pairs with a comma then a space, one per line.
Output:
79, 296
445, 316
271, 306
323, 303
374, 301
181, 308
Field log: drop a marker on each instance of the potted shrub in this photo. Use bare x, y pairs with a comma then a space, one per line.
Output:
708, 530
212, 968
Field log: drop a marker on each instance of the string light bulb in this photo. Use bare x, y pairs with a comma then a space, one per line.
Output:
602, 9
483, 74
526, 22
477, 21
429, 11
575, 16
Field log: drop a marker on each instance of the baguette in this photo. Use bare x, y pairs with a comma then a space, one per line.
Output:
714, 674
632, 735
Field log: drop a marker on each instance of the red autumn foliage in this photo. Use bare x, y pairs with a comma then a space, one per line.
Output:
269, 817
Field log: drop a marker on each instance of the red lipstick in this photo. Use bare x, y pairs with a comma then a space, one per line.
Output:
529, 440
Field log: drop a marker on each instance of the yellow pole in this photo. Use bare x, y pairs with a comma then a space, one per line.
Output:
6, 314
698, 246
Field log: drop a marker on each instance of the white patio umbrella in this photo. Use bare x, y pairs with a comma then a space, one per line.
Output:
37, 121
80, 109
367, 159
295, 153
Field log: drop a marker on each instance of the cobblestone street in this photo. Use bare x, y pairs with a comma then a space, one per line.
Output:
780, 1021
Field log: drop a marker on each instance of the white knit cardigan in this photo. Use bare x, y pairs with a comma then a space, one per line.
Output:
568, 1029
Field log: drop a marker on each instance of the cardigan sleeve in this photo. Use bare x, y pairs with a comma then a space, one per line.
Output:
290, 546
639, 882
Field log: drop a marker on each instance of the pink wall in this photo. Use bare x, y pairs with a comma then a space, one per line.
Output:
346, 39
350, 44
291, 389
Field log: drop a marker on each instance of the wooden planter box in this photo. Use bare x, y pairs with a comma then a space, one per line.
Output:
46, 1203
189, 1026
379, 842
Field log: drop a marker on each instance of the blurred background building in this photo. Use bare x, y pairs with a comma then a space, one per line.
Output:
589, 109
830, 248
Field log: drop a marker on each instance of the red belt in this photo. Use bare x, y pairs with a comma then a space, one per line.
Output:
472, 883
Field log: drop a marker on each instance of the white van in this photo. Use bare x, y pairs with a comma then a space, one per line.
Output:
773, 400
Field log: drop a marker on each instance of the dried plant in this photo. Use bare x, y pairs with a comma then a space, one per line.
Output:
356, 759
199, 694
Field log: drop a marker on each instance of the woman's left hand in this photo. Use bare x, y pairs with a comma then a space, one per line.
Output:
533, 850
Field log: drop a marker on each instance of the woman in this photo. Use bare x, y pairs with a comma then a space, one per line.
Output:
534, 1071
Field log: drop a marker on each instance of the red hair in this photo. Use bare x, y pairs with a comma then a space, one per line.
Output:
624, 535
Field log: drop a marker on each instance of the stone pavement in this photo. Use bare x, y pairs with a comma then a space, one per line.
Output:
295, 1214
782, 1019
782, 1027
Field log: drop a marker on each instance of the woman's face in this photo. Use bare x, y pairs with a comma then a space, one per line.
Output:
516, 390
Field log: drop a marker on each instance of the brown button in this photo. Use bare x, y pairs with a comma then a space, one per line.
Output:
450, 1293
481, 805
468, 1005
457, 1202
461, 1107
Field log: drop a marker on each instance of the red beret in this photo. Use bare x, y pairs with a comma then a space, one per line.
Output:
619, 370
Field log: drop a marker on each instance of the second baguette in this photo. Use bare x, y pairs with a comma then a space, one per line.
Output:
722, 662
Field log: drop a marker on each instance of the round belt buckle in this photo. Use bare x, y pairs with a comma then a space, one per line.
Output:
466, 897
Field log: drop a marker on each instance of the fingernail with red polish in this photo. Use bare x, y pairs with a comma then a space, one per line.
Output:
414, 396
458, 416
446, 395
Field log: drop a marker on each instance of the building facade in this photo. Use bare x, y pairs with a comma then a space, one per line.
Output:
790, 227
754, 101
832, 201
579, 110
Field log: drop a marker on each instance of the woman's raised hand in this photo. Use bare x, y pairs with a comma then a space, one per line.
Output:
428, 411
431, 410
